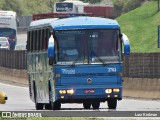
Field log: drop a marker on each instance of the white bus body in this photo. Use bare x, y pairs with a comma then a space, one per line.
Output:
8, 27
70, 6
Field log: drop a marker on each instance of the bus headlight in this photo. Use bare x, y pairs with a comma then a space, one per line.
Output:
62, 91
70, 91
116, 90
108, 91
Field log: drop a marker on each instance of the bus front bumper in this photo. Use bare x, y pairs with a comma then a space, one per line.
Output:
80, 93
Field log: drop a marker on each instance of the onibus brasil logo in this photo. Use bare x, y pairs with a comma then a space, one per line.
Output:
19, 114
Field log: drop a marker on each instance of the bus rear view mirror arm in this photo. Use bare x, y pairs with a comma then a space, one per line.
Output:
126, 44
51, 50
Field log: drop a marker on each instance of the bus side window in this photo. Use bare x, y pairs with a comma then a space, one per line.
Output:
28, 41
41, 39
48, 35
31, 41
44, 39
38, 40
34, 41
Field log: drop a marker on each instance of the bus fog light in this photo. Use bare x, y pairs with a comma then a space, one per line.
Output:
62, 91
70, 91
116, 90
116, 96
62, 97
108, 91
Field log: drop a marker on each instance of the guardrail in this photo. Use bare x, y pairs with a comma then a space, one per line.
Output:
13, 59
142, 65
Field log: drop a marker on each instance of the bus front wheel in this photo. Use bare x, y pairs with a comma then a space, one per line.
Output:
49, 106
96, 105
87, 105
39, 106
112, 103
56, 105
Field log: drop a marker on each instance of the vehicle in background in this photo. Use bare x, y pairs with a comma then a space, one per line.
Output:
4, 44
20, 47
105, 11
8, 27
75, 6
70, 6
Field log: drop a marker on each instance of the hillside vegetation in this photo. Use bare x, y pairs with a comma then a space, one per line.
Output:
141, 27
29, 7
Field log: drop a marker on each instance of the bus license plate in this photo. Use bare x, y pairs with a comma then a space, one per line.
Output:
89, 91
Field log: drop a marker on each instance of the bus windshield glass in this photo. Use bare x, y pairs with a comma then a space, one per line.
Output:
64, 7
87, 46
8, 32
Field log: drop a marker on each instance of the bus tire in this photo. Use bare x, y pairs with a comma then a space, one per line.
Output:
112, 103
87, 105
56, 105
48, 106
39, 106
96, 105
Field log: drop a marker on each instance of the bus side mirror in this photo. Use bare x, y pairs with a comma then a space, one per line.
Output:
126, 44
51, 50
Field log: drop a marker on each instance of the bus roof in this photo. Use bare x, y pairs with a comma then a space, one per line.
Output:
81, 22
7, 13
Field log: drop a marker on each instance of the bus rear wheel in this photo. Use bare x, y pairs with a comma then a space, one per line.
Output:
87, 105
96, 105
49, 106
39, 106
112, 103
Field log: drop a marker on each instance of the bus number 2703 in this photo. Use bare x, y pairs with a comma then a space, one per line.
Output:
112, 69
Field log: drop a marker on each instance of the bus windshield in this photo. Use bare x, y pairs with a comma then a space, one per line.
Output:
8, 32
88, 46
64, 7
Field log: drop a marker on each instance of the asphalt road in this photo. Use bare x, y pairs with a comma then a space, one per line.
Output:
18, 100
22, 38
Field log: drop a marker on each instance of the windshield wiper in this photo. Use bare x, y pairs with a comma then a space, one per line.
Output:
99, 58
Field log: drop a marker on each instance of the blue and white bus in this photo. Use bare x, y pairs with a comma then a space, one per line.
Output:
8, 27
75, 60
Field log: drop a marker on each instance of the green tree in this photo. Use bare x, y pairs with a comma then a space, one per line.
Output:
92, 1
38, 6
123, 6
14, 5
